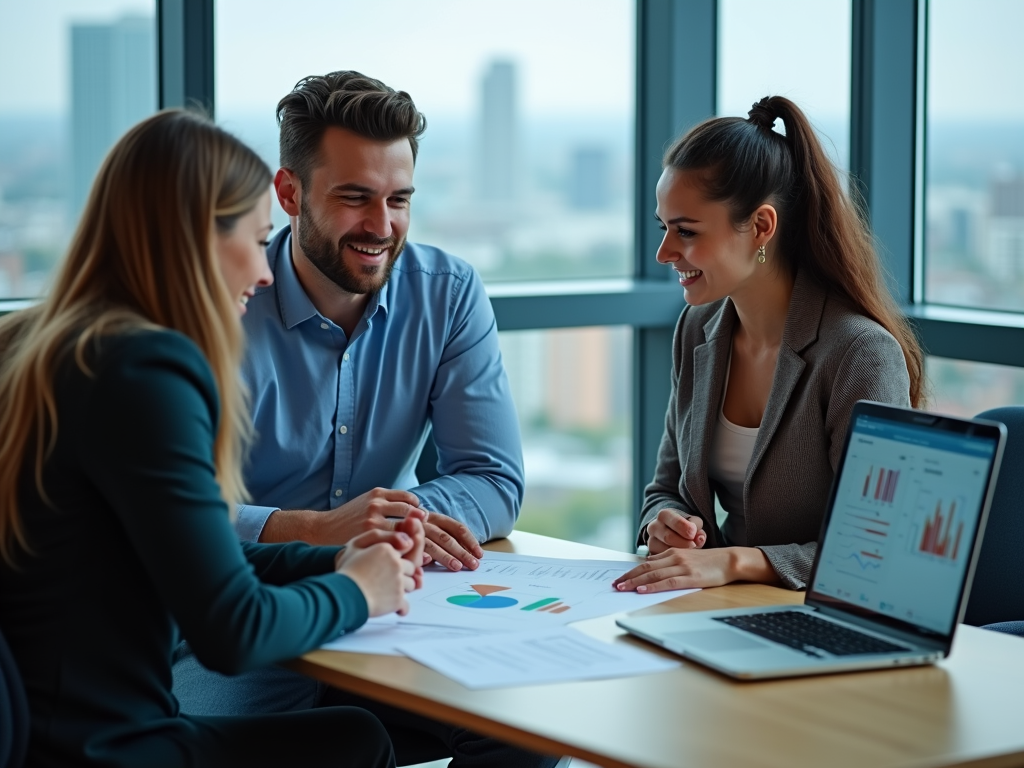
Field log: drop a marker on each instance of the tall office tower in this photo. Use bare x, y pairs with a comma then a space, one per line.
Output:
1004, 252
589, 184
113, 86
499, 141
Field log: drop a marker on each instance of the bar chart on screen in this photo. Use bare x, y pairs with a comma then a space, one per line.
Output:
937, 531
880, 485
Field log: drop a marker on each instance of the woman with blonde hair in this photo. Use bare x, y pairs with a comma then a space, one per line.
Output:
122, 429
789, 323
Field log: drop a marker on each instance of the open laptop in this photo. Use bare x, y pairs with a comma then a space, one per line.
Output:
895, 557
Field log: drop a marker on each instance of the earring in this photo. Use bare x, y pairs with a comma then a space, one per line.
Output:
760, 255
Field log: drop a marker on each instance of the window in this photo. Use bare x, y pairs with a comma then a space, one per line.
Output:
799, 49
572, 391
525, 169
73, 77
974, 210
963, 388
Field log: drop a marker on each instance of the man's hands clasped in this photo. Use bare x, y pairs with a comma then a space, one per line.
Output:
446, 540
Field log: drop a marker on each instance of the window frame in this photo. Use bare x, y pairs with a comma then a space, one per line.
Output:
675, 89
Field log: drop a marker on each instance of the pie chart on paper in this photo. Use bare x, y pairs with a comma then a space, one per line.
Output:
484, 597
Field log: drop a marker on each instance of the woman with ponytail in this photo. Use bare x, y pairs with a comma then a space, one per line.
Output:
788, 324
122, 428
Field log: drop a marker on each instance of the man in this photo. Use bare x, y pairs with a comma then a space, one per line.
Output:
361, 344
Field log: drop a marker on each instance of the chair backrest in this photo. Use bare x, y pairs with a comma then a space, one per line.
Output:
13, 711
997, 593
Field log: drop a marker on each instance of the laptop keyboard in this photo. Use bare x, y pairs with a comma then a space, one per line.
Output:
809, 634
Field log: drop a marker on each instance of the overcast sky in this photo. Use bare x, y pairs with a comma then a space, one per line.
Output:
575, 56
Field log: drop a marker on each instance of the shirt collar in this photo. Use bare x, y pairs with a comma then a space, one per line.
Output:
295, 305
292, 300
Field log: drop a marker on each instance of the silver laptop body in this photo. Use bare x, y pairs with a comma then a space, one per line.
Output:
896, 554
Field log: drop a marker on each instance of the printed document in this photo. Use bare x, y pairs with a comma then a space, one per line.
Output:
555, 655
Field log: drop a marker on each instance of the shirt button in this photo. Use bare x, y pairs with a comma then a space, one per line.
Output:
343, 430
325, 326
345, 357
338, 492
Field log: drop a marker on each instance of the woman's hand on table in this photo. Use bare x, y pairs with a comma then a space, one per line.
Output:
385, 565
675, 529
697, 568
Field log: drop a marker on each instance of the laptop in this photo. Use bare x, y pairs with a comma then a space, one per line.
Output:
896, 554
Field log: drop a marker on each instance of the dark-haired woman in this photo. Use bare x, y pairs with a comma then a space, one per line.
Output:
788, 325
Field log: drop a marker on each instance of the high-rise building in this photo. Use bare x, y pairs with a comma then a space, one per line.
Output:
499, 128
113, 86
1005, 242
589, 179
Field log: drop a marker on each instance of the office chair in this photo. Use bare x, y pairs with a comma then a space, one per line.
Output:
997, 594
13, 711
1007, 627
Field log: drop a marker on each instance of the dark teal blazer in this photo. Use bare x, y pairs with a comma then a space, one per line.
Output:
134, 550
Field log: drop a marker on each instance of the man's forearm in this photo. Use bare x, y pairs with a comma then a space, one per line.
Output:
291, 525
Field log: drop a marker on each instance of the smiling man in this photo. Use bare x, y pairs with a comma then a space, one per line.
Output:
361, 346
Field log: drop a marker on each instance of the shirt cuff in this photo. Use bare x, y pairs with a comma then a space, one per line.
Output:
250, 521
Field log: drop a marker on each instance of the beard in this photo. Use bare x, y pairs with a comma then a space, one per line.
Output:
329, 257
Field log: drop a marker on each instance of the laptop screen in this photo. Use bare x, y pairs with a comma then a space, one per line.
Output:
903, 520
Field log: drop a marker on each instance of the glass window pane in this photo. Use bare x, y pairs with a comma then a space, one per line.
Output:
964, 388
974, 205
799, 49
74, 75
525, 169
572, 391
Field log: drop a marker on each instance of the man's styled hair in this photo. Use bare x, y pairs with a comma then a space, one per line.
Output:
348, 100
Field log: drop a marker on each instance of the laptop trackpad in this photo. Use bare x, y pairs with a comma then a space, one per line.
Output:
717, 640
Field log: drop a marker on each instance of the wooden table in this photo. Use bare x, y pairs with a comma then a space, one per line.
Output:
968, 710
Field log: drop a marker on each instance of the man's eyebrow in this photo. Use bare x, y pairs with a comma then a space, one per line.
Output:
352, 188
404, 191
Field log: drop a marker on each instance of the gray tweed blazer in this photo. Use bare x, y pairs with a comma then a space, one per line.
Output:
830, 357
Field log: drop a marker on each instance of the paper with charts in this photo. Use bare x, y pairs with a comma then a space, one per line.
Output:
518, 592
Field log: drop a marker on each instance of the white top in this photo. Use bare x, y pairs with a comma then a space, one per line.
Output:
731, 449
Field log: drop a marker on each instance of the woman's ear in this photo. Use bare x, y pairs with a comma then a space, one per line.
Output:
765, 221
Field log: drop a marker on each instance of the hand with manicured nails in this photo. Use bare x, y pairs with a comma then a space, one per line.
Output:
385, 565
675, 529
697, 568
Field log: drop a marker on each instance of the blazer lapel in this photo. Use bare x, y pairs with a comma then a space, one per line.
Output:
805, 309
710, 360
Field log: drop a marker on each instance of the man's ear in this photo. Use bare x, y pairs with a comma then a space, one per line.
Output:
289, 191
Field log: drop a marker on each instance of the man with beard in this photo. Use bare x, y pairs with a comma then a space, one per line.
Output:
362, 344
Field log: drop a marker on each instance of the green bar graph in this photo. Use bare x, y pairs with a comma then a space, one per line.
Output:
539, 604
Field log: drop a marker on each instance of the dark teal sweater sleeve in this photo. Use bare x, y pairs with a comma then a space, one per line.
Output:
151, 423
284, 563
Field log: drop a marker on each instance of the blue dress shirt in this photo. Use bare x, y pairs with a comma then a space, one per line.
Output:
336, 417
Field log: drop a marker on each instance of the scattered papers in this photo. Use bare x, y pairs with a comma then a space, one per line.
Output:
552, 655
384, 636
513, 593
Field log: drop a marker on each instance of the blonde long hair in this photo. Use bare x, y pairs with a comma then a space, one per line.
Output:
142, 257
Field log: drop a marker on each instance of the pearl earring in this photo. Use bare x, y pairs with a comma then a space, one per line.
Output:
760, 255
